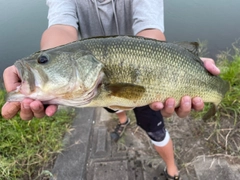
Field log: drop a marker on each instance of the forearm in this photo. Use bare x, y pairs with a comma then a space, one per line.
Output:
57, 35
152, 33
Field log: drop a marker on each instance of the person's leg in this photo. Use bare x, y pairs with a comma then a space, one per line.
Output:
167, 154
123, 121
152, 122
122, 117
119, 130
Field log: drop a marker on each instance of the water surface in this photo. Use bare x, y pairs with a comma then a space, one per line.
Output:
23, 22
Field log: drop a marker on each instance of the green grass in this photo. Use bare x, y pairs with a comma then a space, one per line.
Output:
229, 64
230, 104
28, 148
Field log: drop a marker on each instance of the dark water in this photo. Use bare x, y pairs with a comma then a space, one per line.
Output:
218, 22
22, 23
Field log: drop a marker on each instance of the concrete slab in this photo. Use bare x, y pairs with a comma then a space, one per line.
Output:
70, 164
216, 168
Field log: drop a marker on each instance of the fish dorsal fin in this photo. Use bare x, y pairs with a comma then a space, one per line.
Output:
126, 90
190, 46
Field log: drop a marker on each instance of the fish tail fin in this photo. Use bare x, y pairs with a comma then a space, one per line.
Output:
211, 112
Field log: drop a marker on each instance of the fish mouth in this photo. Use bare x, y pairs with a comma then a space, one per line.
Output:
26, 77
28, 88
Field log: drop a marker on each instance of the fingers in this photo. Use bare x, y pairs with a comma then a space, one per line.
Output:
185, 107
187, 104
169, 107
51, 110
26, 112
28, 109
31, 108
11, 79
10, 109
37, 109
210, 66
197, 104
182, 111
156, 106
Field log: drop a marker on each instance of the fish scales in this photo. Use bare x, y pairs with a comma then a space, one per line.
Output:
158, 66
120, 72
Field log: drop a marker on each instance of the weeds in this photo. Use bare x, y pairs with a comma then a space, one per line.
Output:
27, 147
229, 64
230, 71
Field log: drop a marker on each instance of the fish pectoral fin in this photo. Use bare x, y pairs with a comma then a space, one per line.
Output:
120, 108
126, 90
211, 112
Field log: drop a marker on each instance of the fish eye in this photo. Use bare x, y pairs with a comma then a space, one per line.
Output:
42, 59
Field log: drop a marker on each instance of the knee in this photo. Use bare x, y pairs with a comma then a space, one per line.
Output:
158, 135
159, 138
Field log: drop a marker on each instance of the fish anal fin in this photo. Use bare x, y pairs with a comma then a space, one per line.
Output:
211, 112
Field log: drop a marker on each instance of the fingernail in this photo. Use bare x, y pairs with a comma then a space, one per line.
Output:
187, 101
26, 106
170, 103
36, 108
157, 106
197, 101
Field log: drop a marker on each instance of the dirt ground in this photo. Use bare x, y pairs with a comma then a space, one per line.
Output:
194, 138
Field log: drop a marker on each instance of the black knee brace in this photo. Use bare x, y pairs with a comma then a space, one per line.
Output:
157, 135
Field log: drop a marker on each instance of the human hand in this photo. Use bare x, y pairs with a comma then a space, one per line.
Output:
186, 103
28, 108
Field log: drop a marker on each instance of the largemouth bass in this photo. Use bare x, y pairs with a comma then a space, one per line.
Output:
119, 72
